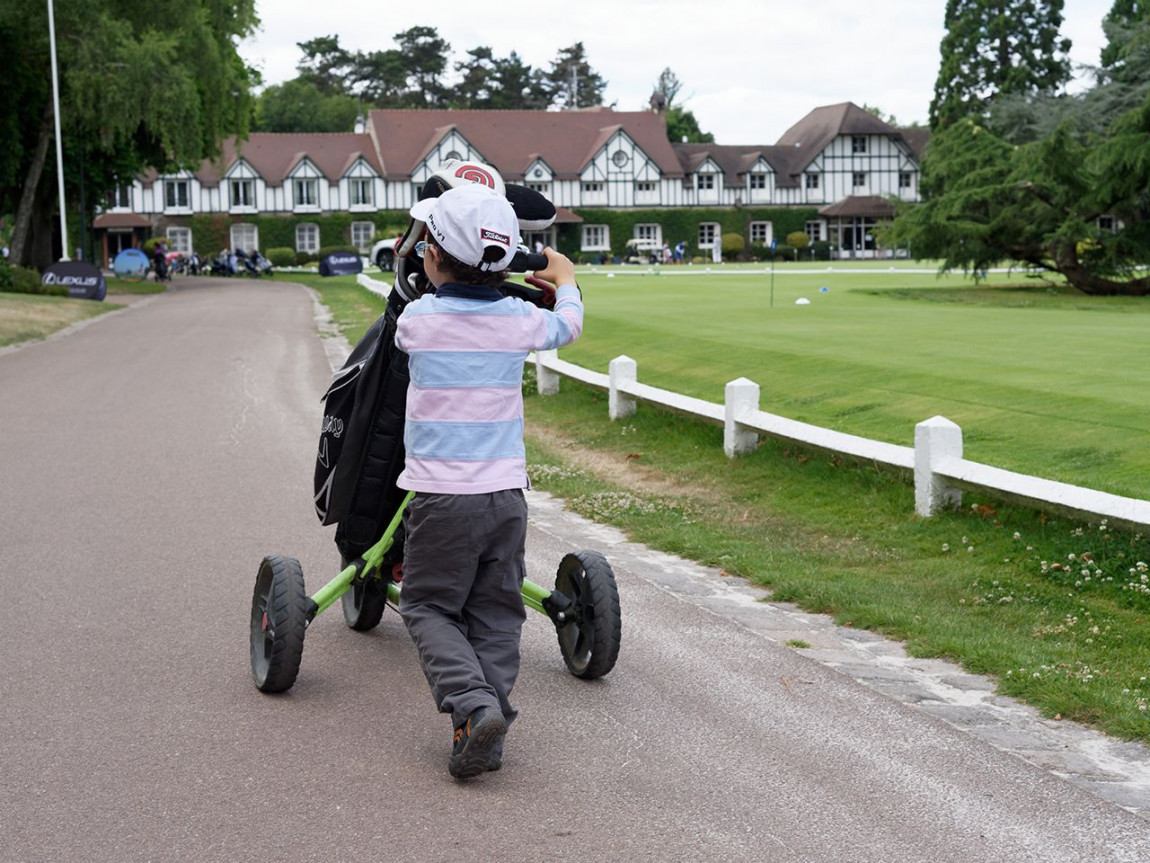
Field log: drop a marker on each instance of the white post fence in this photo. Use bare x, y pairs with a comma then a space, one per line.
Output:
940, 472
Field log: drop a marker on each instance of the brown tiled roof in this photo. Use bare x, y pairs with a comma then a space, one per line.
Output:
808, 137
735, 161
121, 220
273, 155
512, 140
916, 139
868, 206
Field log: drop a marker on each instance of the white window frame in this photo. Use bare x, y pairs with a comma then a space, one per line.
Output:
543, 189
179, 239
596, 238
646, 187
813, 180
858, 143
905, 179
305, 193
120, 197
244, 229
173, 189
652, 231
361, 192
705, 182
242, 194
307, 237
709, 234
366, 234
758, 181
858, 180
762, 233
593, 187
814, 230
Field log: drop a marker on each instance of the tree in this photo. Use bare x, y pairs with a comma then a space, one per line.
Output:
996, 47
144, 84
326, 65
681, 122
518, 86
477, 74
299, 105
424, 56
573, 81
1123, 17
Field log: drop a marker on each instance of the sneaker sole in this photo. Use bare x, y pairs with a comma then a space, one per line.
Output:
473, 760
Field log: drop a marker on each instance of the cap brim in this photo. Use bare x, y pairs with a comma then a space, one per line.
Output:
422, 209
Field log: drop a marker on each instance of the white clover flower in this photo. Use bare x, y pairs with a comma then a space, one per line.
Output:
946, 547
1017, 535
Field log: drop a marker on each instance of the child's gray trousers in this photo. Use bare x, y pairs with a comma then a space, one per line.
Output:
463, 568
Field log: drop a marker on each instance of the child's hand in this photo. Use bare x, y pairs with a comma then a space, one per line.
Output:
559, 270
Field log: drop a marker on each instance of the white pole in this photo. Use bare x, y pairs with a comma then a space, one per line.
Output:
59, 145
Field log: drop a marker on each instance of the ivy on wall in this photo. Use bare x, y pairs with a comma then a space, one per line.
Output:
212, 232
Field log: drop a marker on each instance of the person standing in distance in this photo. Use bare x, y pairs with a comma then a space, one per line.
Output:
467, 524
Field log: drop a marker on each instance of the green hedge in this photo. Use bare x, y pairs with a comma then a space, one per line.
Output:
21, 280
681, 224
212, 232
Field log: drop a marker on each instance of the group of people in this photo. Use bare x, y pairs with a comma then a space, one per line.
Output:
676, 255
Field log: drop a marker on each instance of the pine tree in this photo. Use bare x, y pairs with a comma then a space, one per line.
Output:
575, 83
994, 47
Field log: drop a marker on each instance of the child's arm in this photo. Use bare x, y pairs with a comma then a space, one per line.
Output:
559, 270
564, 324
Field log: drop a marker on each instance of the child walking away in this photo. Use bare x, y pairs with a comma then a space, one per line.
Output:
467, 524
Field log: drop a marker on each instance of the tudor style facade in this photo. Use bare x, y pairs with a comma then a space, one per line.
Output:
839, 160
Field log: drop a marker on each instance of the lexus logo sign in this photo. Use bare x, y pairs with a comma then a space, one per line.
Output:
83, 280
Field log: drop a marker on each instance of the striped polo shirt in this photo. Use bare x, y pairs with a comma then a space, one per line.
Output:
466, 346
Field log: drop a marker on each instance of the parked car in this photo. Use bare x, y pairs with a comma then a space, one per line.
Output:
383, 253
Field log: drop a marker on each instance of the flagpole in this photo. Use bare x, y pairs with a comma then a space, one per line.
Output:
59, 145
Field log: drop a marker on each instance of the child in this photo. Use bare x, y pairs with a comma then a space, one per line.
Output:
466, 526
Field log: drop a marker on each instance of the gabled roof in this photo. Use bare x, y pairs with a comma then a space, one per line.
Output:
272, 155
513, 140
869, 206
735, 161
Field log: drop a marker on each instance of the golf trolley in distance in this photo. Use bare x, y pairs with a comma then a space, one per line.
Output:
584, 606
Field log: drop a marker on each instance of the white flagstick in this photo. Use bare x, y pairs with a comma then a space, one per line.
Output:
59, 145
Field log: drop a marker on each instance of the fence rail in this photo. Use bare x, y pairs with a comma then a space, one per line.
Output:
940, 472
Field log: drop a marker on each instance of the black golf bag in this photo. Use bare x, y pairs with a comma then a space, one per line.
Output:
361, 451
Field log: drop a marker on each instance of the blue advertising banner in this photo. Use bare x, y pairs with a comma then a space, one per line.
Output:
83, 280
131, 264
341, 264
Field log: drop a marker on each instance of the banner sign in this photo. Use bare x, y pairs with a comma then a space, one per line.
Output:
341, 264
131, 264
83, 280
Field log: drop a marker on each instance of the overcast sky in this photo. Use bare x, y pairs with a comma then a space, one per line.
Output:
749, 68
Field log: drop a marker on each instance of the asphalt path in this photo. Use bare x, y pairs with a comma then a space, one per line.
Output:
149, 460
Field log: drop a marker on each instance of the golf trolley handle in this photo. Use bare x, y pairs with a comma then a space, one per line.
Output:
527, 262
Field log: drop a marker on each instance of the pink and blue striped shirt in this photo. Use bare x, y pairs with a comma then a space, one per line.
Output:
466, 347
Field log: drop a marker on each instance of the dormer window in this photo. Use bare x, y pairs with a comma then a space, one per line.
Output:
176, 194
812, 181
243, 193
705, 182
306, 193
858, 143
758, 181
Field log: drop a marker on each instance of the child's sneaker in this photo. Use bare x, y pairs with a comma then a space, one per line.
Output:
475, 741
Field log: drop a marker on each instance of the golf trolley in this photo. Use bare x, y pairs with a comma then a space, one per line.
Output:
584, 606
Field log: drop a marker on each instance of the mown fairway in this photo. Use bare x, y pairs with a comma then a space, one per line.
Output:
1042, 379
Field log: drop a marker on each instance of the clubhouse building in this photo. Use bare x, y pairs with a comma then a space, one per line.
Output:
613, 176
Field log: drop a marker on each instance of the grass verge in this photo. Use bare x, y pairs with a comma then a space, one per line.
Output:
32, 317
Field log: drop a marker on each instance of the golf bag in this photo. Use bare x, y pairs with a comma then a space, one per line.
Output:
361, 451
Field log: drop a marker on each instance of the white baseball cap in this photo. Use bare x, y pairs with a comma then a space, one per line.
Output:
469, 219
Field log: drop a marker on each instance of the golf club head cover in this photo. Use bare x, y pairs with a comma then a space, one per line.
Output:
535, 212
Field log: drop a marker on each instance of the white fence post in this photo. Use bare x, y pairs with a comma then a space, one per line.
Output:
934, 439
546, 381
741, 396
622, 369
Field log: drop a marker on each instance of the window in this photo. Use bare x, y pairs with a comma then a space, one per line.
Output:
705, 182
176, 194
905, 180
243, 193
180, 240
858, 179
1106, 223
306, 193
761, 233
620, 159
121, 196
708, 234
454, 154
361, 193
651, 233
307, 237
596, 238
645, 187
812, 181
592, 188
814, 230
362, 233
543, 189
758, 181
858, 143
246, 237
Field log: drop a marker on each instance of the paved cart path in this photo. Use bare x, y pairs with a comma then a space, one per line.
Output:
148, 462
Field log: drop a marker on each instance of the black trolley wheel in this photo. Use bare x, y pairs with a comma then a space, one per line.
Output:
279, 621
590, 639
364, 602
